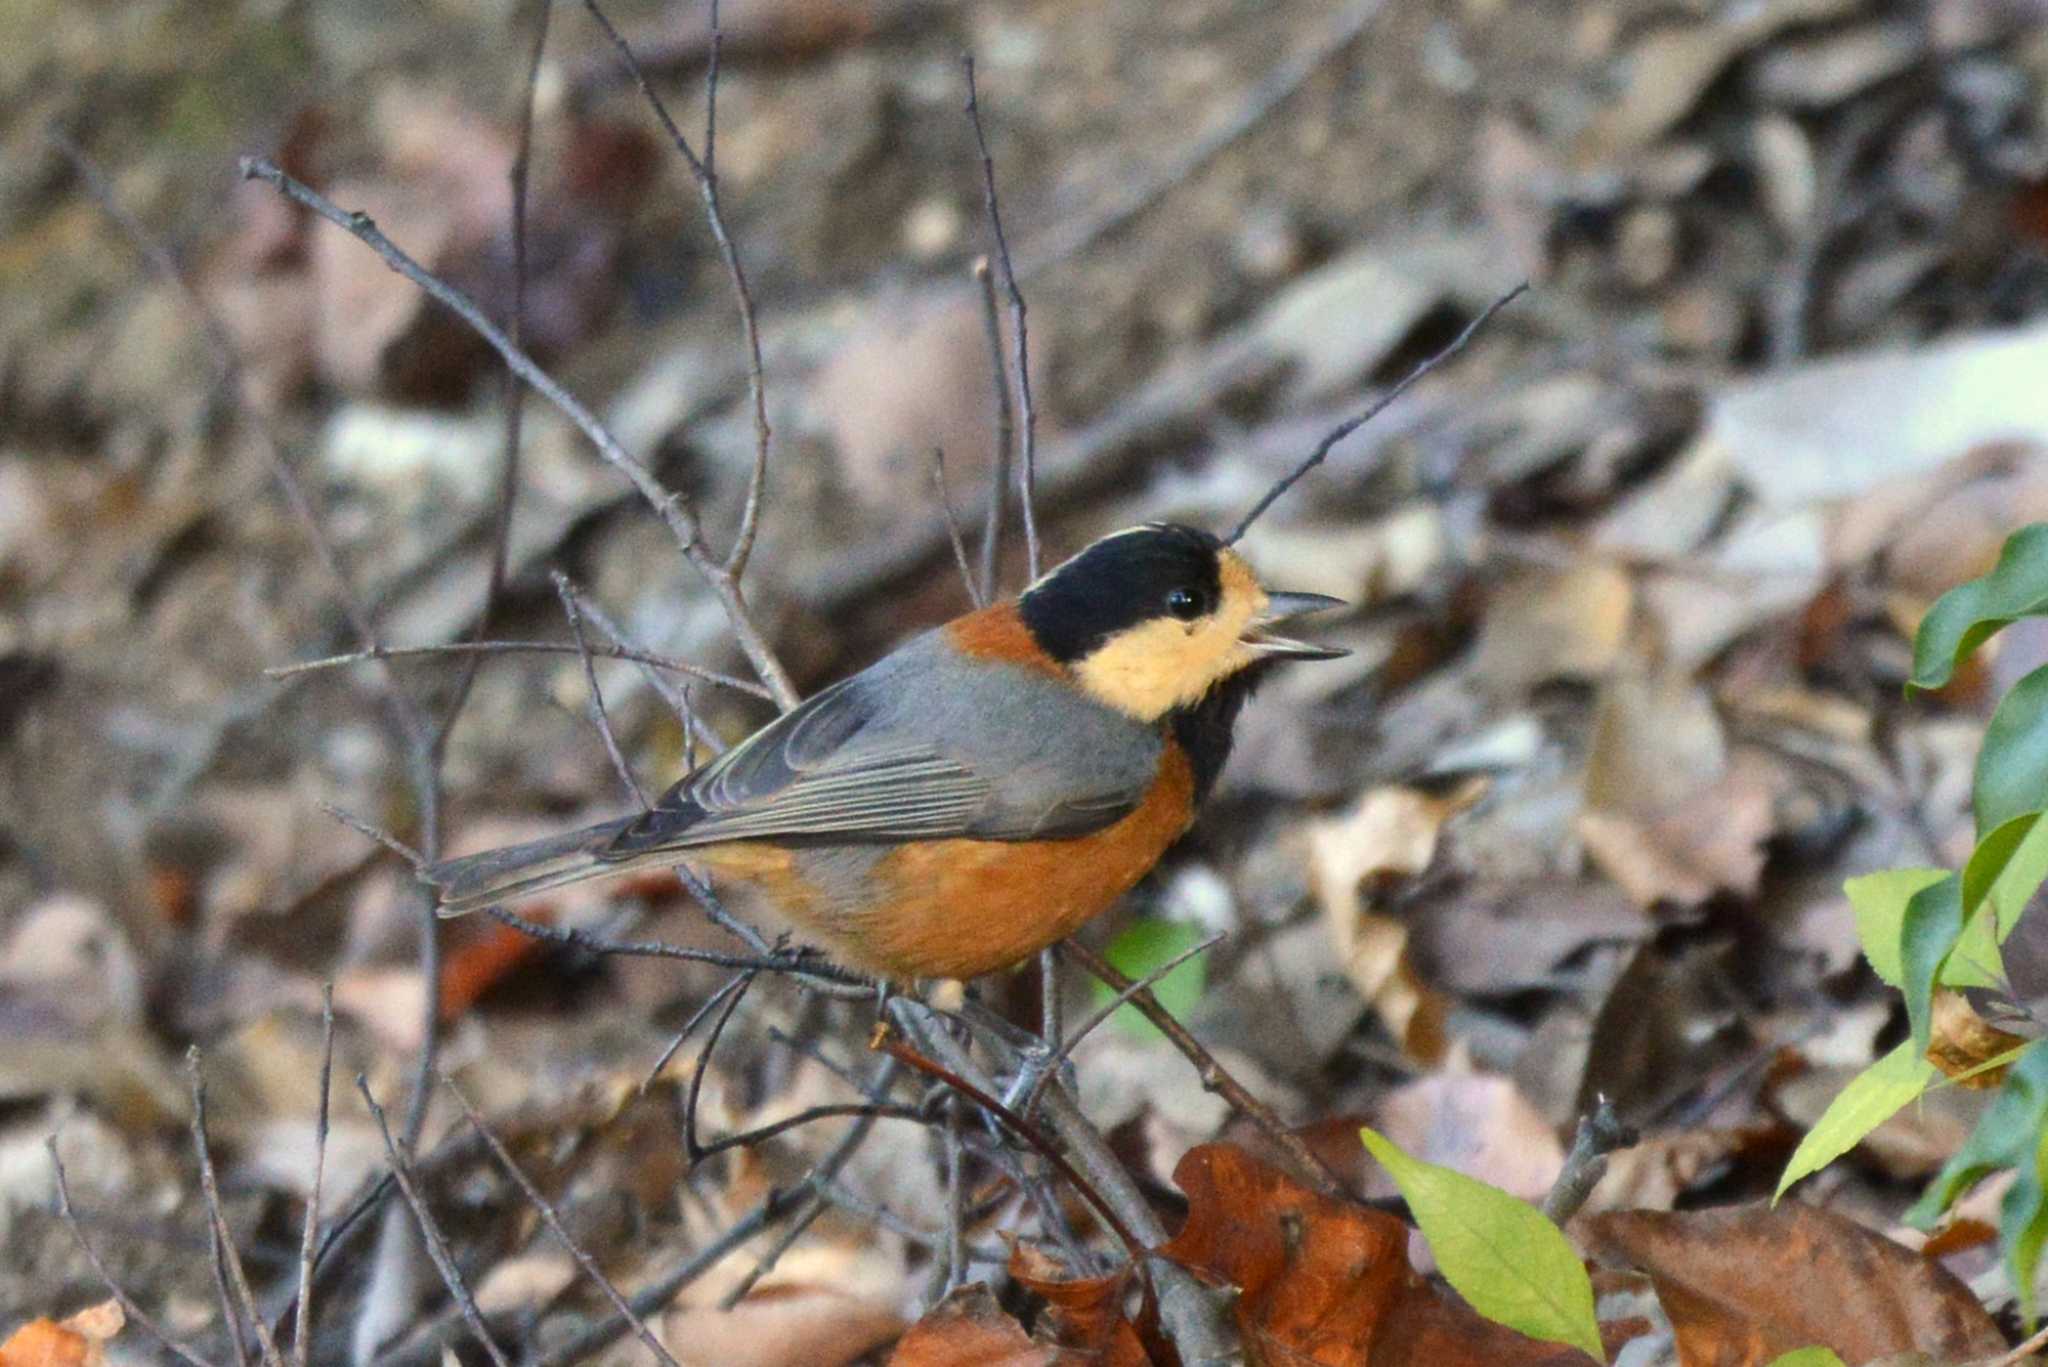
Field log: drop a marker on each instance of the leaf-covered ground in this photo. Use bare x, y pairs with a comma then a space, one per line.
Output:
1635, 581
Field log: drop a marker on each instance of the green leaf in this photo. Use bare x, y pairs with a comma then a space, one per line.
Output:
1808, 1357
1995, 854
2021, 878
1880, 902
1146, 944
2010, 1135
1970, 614
2012, 765
1508, 1261
1872, 1097
1929, 931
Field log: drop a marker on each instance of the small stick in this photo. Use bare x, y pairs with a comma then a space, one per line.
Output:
710, 1004
613, 652
953, 533
671, 506
302, 1324
1006, 431
1215, 1077
701, 169
1104, 1012
224, 1250
437, 1245
1600, 1133
1028, 473
128, 1305
1372, 410
411, 856
818, 976
598, 714
554, 1219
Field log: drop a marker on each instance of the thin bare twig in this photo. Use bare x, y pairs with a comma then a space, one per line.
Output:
945, 502
302, 1324
2017, 1354
1061, 1050
554, 1219
689, 1028
815, 974
1006, 431
1027, 476
602, 718
613, 652
128, 1306
224, 1250
1215, 1077
430, 1232
706, 176
1371, 411
671, 506
695, 732
412, 857
772, 1208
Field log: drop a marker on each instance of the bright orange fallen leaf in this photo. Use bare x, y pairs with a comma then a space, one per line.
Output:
1085, 1313
80, 1341
1744, 1285
968, 1329
1327, 1282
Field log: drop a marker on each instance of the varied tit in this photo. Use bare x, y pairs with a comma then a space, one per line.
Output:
980, 792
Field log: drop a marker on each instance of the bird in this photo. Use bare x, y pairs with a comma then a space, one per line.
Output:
981, 791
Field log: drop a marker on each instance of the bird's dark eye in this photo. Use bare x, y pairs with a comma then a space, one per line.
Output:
1184, 604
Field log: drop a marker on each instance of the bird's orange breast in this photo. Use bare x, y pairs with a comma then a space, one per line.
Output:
960, 908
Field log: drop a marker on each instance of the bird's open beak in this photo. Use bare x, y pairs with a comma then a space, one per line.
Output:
1284, 607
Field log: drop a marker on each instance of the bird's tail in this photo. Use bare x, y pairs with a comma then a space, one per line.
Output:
515, 871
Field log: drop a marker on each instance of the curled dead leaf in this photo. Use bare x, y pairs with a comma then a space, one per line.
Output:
80, 1340
1961, 1041
968, 1329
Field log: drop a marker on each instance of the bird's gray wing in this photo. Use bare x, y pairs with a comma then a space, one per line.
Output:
854, 763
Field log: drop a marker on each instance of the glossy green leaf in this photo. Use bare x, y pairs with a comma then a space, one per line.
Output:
1993, 855
2021, 878
1880, 902
2010, 1135
1970, 614
1872, 1097
1932, 925
1808, 1357
2012, 765
1143, 946
1501, 1254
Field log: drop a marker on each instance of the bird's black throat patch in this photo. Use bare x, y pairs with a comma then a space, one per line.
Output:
1204, 730
1118, 583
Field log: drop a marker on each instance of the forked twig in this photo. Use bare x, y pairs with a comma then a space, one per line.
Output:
430, 1231
554, 1220
302, 1323
128, 1306
953, 533
225, 1254
1019, 326
1064, 1048
613, 652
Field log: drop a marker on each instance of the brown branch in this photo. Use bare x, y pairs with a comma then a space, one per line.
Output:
1019, 327
1215, 1077
430, 1232
554, 1220
224, 1251
703, 171
615, 652
1372, 410
128, 1306
671, 506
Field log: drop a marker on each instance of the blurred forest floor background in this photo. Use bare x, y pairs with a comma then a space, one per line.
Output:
1635, 578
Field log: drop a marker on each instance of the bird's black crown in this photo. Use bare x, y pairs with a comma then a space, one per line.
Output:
1162, 569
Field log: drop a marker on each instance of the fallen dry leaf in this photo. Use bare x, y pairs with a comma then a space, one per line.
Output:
968, 1329
1324, 1281
1084, 1313
782, 1326
78, 1341
1961, 1040
1745, 1284
1391, 833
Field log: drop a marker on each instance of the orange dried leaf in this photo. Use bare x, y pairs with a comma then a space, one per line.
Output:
80, 1341
1323, 1281
1085, 1313
968, 1329
1747, 1284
